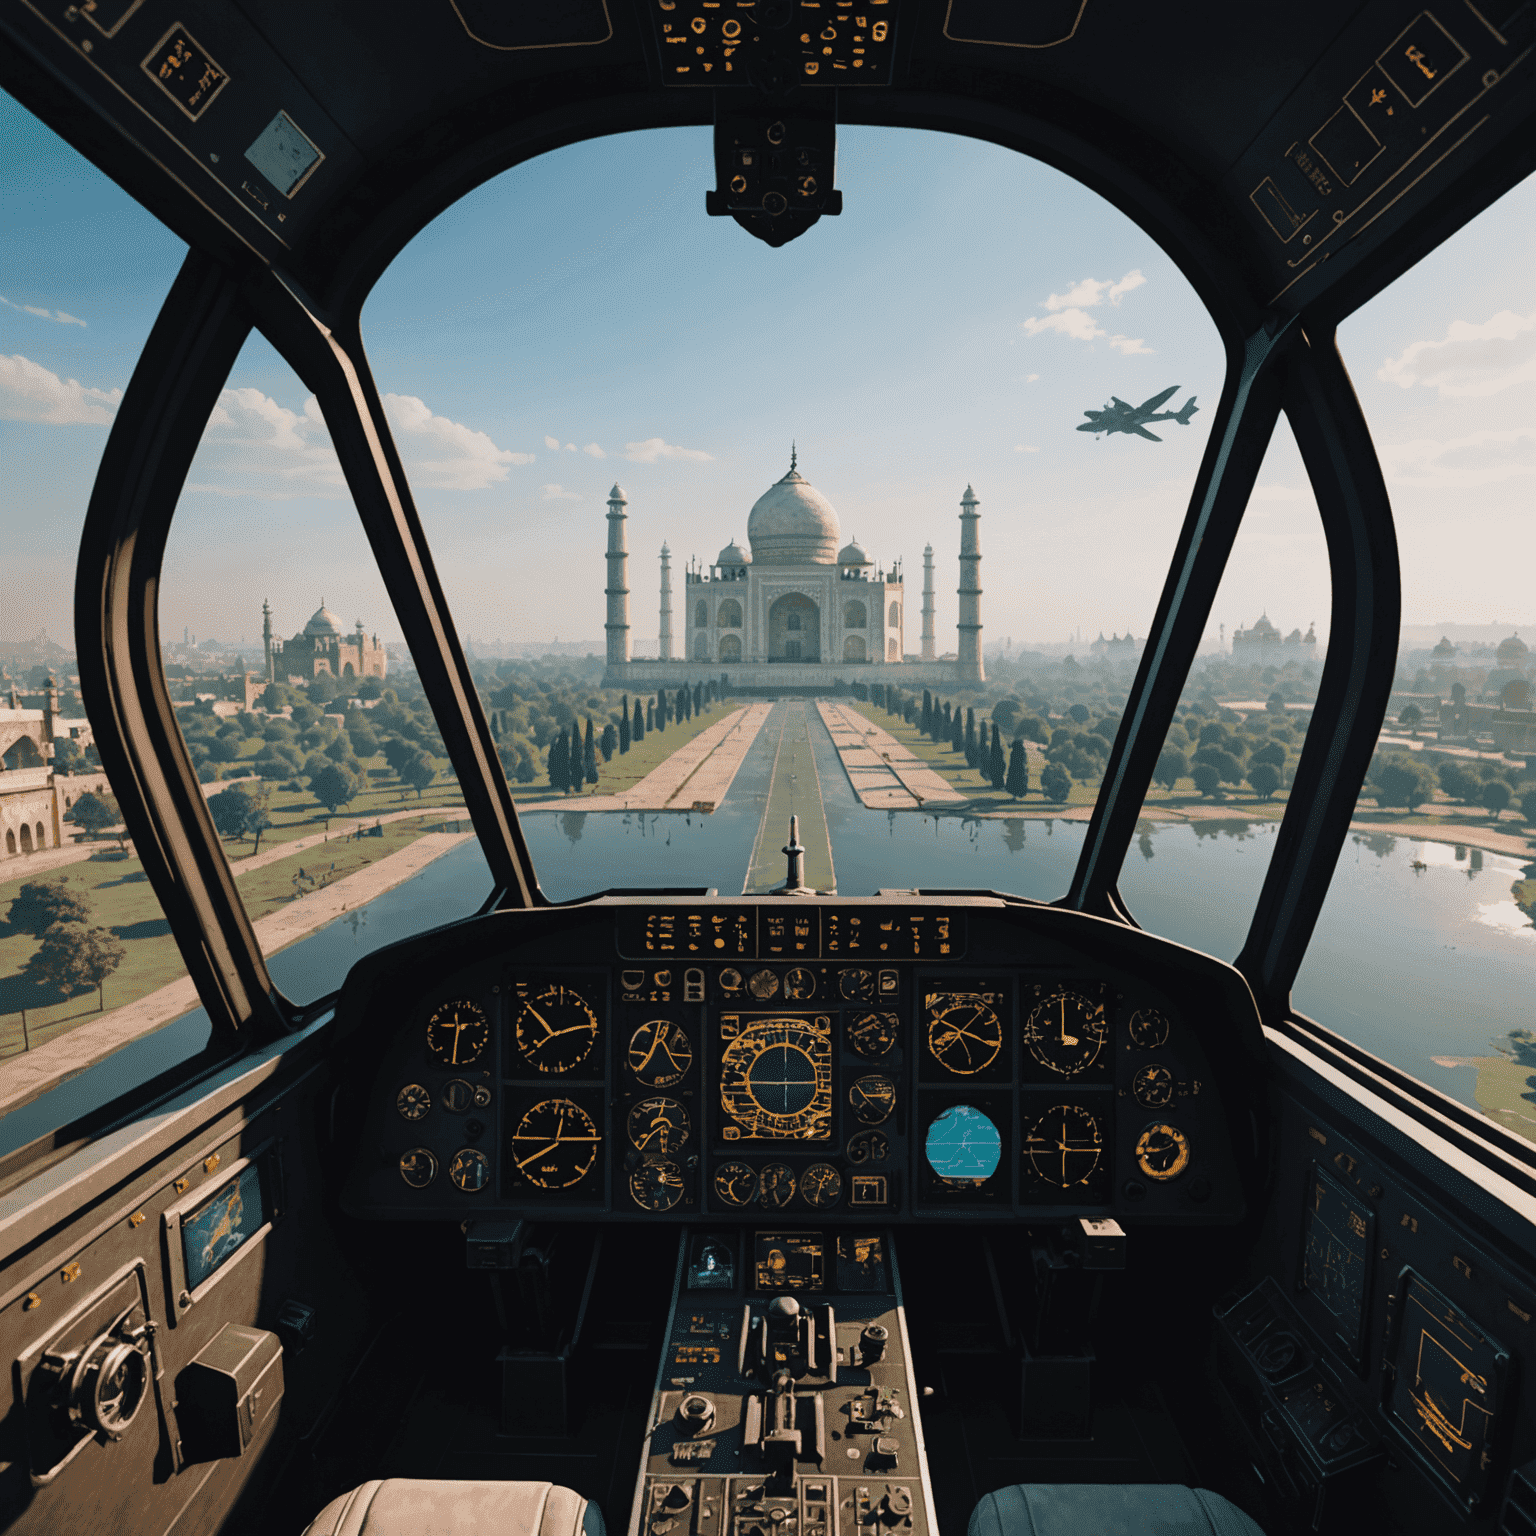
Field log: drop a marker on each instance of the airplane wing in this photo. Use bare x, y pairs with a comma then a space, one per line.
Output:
1090, 426
1162, 399
1142, 431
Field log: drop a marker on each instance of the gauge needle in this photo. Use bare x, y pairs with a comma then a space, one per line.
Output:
554, 1146
542, 1020
1066, 1039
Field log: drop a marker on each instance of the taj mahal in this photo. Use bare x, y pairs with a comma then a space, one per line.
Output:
796, 609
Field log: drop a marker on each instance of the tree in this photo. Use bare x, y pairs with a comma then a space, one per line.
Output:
1265, 779
1227, 767
231, 811
1275, 703
957, 731
624, 728
39, 904
609, 744
1206, 778
972, 749
419, 772
1496, 796
1401, 781
1458, 783
1528, 806
1055, 783
1079, 712
72, 956
996, 769
638, 733
526, 772
559, 762
397, 752
589, 756
661, 709
334, 786
926, 727
1172, 765
95, 812
1272, 752
1017, 782
1412, 716
365, 740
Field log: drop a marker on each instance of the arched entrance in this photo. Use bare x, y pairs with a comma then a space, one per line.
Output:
794, 629
854, 649
26, 838
728, 614
891, 652
730, 648
701, 647
10, 841
855, 616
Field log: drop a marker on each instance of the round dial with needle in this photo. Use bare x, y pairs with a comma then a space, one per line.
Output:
656, 1186
776, 1185
873, 1034
856, 986
555, 1144
458, 1032
735, 1184
660, 1053
469, 1170
418, 1167
964, 1031
821, 1186
413, 1101
555, 1029
1064, 1146
1147, 1028
776, 1079
872, 1098
1162, 1152
1065, 1032
658, 1125
1152, 1086
799, 983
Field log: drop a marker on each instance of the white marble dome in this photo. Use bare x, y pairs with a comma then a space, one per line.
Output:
732, 555
323, 622
852, 553
792, 523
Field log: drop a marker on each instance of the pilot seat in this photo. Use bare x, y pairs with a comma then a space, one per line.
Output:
1108, 1509
407, 1506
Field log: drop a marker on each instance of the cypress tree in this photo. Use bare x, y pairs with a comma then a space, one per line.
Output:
495, 725
638, 733
1017, 783
957, 731
608, 742
589, 756
661, 709
996, 769
970, 737
650, 714
624, 727
559, 762
698, 698
927, 723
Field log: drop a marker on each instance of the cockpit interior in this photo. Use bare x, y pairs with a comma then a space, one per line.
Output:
792, 1206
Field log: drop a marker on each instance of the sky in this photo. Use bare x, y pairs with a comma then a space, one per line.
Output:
580, 321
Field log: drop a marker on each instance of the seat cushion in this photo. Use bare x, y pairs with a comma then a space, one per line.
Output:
1108, 1509
407, 1506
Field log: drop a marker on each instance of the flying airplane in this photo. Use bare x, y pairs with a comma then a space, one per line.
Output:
1119, 416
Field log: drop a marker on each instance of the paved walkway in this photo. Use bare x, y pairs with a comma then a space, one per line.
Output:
885, 775
338, 833
794, 789
23, 1077
700, 772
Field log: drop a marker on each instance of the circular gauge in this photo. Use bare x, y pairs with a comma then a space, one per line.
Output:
555, 1144
963, 1145
555, 1029
799, 983
1162, 1152
656, 1186
964, 1032
457, 1095
1064, 1146
735, 1184
872, 1098
1148, 1029
458, 1032
821, 1186
1152, 1086
469, 1169
776, 1079
868, 1147
873, 1034
413, 1101
418, 1167
660, 1053
482, 1096
1065, 1032
730, 979
776, 1185
658, 1125
762, 985
857, 986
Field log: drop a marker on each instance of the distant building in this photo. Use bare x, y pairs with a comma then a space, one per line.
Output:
321, 647
1445, 650
33, 798
1264, 646
1124, 647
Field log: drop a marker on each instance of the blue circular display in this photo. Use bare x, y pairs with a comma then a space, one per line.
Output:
963, 1146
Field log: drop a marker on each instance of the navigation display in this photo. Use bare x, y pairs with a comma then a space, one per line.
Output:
789, 1261
776, 1077
861, 1262
211, 1233
1336, 1256
1445, 1394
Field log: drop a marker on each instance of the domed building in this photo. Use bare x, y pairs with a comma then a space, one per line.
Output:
323, 645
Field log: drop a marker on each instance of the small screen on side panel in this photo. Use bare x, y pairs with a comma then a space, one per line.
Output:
222, 1224
1336, 1256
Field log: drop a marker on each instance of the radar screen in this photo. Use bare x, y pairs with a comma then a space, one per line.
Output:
221, 1224
555, 1031
1446, 1391
966, 1033
788, 1261
962, 1160
1065, 1034
1336, 1256
861, 1262
1066, 1151
776, 1077
712, 1262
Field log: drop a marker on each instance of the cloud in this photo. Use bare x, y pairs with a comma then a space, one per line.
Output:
1068, 314
1076, 323
551, 442
655, 448
559, 493
1469, 361
1460, 463
570, 447
1092, 291
57, 315
464, 459
1030, 378
29, 392
1022, 448
593, 451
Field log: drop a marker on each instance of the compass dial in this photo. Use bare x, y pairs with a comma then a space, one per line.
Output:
418, 1167
413, 1101
799, 983
821, 1186
762, 985
555, 1028
1064, 1146
469, 1170
660, 1053
776, 1185
735, 1184
964, 1031
458, 1032
868, 1147
555, 1144
658, 1125
1162, 1152
873, 1034
1148, 1029
776, 1079
872, 1098
457, 1095
1065, 1032
856, 986
1152, 1086
656, 1186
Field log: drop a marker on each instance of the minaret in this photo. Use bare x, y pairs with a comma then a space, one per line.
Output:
664, 648
266, 638
618, 581
928, 602
970, 669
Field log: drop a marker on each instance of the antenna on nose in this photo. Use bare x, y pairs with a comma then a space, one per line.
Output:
794, 879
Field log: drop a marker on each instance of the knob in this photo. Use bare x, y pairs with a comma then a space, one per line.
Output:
696, 1414
872, 1343
883, 1456
1277, 1354
896, 1507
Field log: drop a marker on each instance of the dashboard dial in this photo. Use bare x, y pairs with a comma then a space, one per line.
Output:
776, 1079
656, 1186
457, 1095
857, 986
418, 1167
413, 1101
964, 1031
762, 985
872, 1098
1148, 1029
1064, 1146
821, 1186
660, 1053
458, 1032
469, 1170
555, 1144
1066, 1031
735, 1184
730, 979
800, 983
776, 1185
868, 1147
873, 1034
658, 1125
1152, 1086
555, 1029
1162, 1152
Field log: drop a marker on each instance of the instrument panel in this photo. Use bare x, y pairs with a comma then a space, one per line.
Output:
970, 1058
